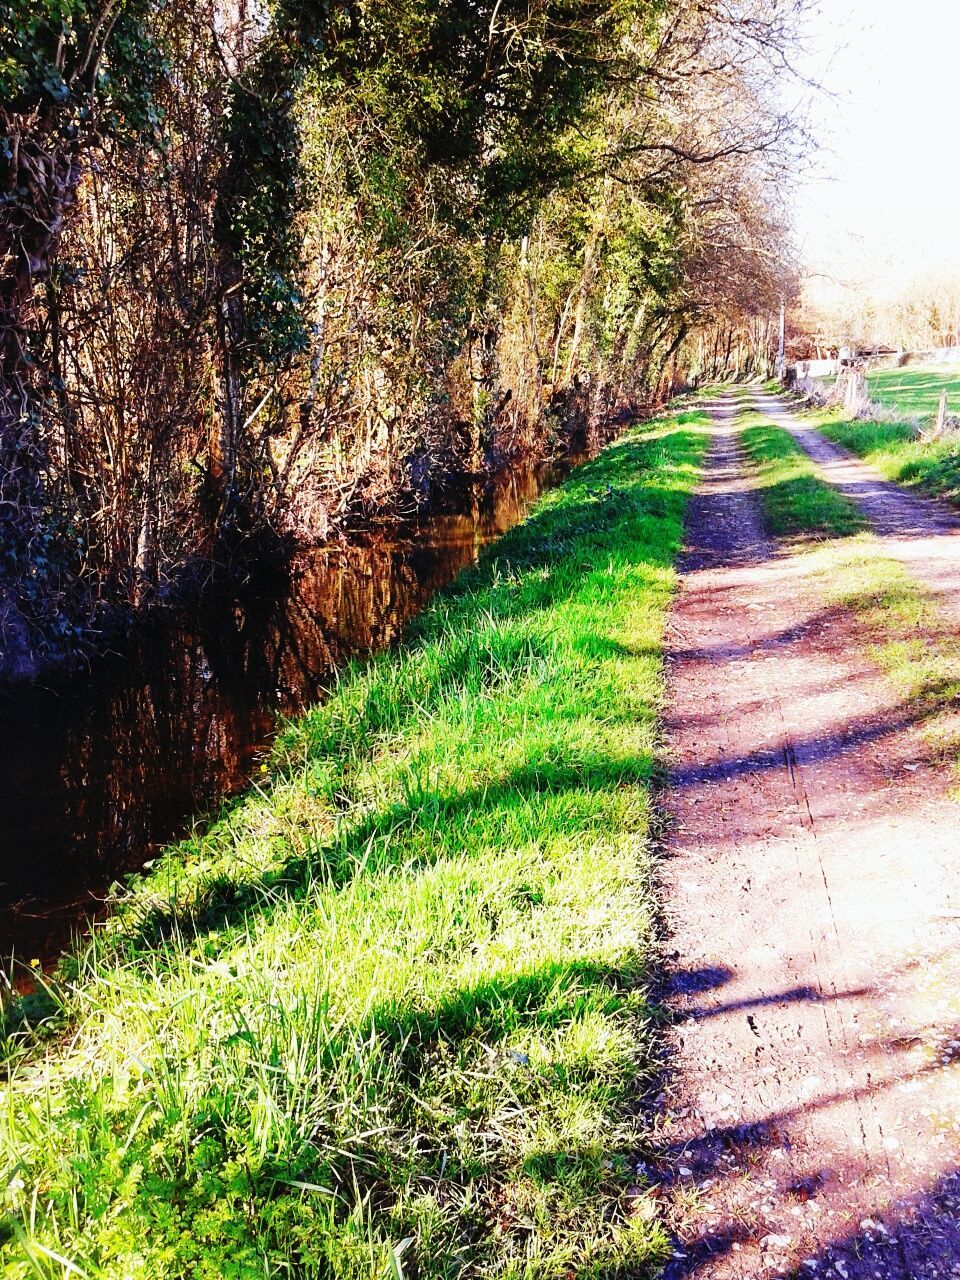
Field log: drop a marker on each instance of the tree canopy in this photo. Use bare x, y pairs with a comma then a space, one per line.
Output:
265, 265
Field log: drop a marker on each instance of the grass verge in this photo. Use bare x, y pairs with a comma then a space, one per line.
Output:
796, 502
387, 1016
906, 633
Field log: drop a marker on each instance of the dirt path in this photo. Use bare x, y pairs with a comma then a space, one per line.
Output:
919, 531
813, 892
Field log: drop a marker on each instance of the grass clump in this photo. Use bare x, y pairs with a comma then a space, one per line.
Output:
796, 502
387, 1016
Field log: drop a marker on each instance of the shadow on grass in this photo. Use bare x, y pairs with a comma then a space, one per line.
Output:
800, 505
606, 518
462, 1035
450, 1104
373, 844
804, 505
582, 530
890, 510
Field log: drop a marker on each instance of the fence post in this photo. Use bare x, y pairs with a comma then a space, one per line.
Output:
855, 390
941, 424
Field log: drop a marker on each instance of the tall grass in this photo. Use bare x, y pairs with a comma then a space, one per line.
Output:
387, 1017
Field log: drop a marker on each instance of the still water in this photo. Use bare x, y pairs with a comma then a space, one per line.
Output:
99, 773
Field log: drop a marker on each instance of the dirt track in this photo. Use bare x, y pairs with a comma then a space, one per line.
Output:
917, 530
813, 892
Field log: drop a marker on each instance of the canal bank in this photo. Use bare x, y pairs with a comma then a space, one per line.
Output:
389, 1014
103, 769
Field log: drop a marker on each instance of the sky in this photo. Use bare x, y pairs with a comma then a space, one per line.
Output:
880, 203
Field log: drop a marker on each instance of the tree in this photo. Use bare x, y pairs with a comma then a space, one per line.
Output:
263, 266
71, 72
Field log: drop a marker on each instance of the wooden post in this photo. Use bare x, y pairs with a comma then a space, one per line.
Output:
855, 390
940, 427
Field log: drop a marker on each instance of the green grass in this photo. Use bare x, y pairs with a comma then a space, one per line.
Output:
897, 449
898, 452
388, 1016
796, 502
916, 391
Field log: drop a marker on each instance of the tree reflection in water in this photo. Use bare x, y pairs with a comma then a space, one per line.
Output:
101, 772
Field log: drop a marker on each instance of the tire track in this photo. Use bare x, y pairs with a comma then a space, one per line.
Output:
920, 532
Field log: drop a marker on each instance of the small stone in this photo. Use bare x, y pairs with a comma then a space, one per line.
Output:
775, 1242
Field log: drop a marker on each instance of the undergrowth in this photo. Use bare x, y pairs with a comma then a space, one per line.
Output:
387, 1016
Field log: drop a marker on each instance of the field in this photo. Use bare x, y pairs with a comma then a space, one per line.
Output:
389, 1016
916, 391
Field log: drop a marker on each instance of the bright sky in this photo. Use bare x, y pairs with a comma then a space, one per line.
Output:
882, 200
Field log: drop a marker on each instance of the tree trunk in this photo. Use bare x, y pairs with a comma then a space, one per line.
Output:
225, 436
579, 315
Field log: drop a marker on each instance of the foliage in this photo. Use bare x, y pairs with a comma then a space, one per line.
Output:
84, 64
369, 245
922, 315
70, 72
392, 1004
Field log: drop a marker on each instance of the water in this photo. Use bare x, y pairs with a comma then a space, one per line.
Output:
98, 774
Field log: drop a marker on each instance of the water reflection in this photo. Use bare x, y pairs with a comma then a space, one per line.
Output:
98, 774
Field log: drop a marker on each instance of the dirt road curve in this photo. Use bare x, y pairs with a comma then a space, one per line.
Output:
917, 530
813, 893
